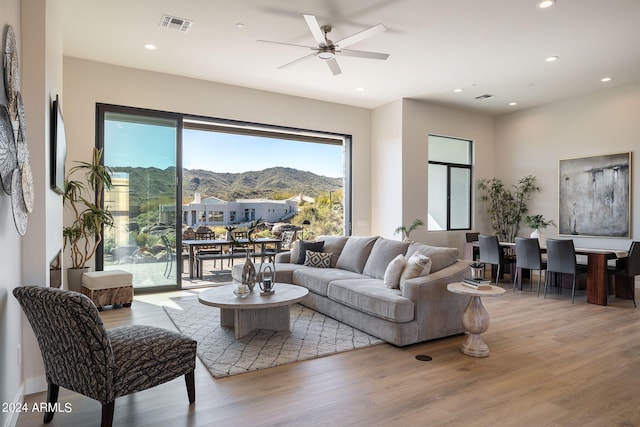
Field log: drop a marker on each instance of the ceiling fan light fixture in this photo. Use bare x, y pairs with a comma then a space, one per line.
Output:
326, 55
546, 3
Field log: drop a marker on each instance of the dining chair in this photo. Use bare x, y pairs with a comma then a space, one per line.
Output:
528, 257
492, 253
561, 258
81, 355
241, 248
208, 252
470, 238
629, 268
170, 254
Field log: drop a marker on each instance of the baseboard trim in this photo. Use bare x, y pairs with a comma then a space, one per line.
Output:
35, 385
13, 416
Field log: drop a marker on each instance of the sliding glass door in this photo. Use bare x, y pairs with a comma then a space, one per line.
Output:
141, 148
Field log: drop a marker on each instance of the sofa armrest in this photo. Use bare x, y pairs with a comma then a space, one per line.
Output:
454, 273
283, 257
438, 311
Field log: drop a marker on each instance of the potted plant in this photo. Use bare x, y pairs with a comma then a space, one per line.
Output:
507, 206
538, 223
406, 231
85, 199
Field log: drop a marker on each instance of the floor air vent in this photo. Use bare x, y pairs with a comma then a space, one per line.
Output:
173, 23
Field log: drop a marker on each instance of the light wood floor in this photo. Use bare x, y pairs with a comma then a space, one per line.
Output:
551, 364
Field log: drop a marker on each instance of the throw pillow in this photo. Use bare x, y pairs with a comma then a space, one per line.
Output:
317, 259
416, 266
394, 271
306, 245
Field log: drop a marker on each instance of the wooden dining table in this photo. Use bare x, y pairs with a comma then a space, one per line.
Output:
262, 242
597, 259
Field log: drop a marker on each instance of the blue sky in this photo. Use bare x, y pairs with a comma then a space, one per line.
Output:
133, 144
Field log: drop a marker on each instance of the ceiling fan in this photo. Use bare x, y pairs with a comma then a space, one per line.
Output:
328, 49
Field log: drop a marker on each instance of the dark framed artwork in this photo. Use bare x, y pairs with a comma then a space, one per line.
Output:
58, 148
594, 196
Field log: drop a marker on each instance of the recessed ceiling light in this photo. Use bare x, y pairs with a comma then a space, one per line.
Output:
552, 58
360, 89
605, 79
239, 25
546, 3
458, 90
513, 103
150, 46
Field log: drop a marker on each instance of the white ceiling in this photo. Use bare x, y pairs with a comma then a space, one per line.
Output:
493, 47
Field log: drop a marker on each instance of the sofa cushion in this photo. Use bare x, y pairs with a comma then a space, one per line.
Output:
355, 253
317, 259
333, 245
440, 257
307, 245
372, 297
317, 279
383, 251
394, 271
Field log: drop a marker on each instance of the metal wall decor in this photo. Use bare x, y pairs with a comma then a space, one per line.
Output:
15, 169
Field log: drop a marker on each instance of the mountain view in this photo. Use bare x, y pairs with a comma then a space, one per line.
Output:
274, 183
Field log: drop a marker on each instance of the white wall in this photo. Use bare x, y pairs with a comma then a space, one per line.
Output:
26, 259
10, 260
386, 169
399, 162
534, 140
87, 83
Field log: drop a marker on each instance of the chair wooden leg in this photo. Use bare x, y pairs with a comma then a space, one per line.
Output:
190, 379
52, 398
107, 414
573, 289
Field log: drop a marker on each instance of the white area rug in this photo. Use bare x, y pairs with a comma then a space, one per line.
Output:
312, 335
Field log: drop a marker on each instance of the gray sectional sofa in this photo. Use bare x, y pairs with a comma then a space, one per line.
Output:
351, 286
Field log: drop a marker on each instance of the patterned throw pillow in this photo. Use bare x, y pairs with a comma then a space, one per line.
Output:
305, 246
317, 259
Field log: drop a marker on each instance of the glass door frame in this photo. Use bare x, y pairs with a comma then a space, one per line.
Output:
101, 110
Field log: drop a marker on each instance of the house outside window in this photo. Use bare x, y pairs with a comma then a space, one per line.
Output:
450, 183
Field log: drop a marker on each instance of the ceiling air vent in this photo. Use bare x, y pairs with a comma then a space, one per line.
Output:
173, 23
485, 96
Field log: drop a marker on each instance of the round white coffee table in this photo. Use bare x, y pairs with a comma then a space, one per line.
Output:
255, 311
475, 318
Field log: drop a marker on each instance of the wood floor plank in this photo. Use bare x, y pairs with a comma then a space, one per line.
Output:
551, 363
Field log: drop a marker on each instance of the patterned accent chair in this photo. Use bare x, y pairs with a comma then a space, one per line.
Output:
81, 355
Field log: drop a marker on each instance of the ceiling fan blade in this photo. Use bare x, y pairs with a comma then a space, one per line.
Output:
304, 58
364, 34
333, 66
316, 31
286, 44
363, 54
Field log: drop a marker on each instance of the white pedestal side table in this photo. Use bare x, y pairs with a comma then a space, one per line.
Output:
475, 318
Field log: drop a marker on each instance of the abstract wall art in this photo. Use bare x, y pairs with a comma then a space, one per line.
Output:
594, 196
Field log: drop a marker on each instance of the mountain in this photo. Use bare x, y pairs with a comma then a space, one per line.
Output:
267, 183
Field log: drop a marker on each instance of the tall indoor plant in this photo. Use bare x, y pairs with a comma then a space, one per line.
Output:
85, 199
506, 206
